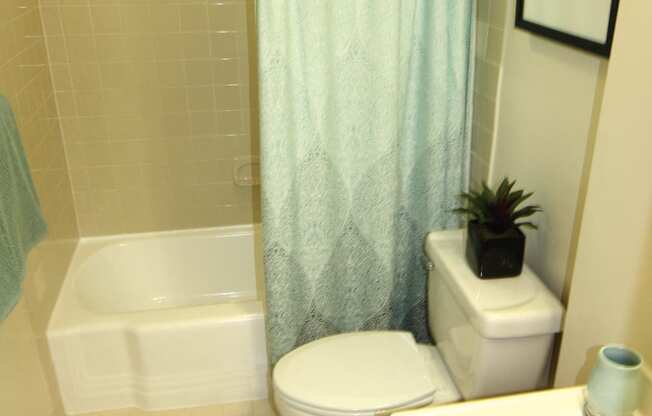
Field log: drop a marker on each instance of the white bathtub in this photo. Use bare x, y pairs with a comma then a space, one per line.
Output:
160, 321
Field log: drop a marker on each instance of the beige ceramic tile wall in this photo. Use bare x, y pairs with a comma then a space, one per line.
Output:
491, 21
25, 80
27, 385
153, 97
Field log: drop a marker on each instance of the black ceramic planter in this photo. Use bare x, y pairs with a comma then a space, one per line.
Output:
494, 255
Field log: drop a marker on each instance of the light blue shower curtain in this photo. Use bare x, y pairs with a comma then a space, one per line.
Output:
365, 125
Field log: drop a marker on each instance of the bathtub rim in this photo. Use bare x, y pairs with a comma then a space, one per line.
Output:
69, 315
222, 230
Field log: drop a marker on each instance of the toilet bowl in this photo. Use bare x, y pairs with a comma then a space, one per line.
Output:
349, 374
492, 337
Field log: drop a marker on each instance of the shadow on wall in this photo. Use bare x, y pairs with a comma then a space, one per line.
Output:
254, 128
584, 179
638, 333
585, 371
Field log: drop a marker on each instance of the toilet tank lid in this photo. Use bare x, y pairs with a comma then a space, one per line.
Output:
355, 372
497, 308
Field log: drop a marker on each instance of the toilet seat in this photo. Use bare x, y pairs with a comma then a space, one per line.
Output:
362, 373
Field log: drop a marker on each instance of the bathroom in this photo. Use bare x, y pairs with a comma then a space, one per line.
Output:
142, 125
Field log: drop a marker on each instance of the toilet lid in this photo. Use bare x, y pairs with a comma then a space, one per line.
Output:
356, 372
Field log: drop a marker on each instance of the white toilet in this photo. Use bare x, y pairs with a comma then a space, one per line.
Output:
493, 337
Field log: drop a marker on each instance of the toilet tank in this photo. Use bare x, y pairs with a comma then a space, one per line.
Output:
494, 335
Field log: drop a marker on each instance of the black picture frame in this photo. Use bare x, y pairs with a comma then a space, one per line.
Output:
602, 49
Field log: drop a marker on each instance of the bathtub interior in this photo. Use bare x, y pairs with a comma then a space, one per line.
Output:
169, 270
141, 321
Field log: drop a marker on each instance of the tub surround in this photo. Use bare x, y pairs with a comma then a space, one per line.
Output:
153, 99
493, 19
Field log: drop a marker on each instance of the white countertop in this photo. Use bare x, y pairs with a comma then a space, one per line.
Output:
558, 402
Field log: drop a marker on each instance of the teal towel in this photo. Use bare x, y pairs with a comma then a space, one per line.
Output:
21, 222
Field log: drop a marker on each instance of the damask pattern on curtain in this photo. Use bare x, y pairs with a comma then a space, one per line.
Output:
365, 131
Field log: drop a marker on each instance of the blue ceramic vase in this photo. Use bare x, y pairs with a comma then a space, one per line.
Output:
614, 388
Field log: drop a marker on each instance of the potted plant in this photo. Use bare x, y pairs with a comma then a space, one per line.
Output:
496, 245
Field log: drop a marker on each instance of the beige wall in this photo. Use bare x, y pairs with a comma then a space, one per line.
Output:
547, 102
491, 23
26, 383
154, 101
611, 292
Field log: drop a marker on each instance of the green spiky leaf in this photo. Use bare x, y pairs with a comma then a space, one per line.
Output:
499, 209
527, 225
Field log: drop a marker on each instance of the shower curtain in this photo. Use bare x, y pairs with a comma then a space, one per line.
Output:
365, 124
